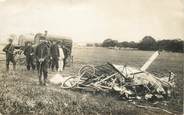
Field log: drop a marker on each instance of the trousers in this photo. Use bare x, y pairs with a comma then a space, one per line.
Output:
42, 71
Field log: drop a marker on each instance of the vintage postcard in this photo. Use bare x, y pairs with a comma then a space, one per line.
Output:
91, 57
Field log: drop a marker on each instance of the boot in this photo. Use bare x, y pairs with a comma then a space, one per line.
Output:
28, 67
40, 81
44, 83
7, 68
45, 79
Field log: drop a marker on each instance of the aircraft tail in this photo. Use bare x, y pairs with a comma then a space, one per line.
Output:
149, 61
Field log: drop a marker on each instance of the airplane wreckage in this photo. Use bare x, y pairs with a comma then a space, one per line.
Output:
128, 82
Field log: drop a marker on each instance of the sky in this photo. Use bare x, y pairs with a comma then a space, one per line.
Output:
94, 20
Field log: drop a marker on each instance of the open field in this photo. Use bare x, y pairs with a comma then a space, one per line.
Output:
20, 92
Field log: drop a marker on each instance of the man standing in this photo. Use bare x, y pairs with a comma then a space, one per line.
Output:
54, 50
50, 60
61, 58
9, 49
66, 52
29, 53
42, 56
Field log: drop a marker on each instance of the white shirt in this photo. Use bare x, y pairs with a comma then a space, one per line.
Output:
61, 54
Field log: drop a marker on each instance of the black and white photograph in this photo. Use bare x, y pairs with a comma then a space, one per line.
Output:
91, 57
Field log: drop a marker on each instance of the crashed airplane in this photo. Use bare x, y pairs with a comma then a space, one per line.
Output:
147, 84
128, 82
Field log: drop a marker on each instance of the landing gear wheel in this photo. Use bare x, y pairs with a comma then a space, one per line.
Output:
87, 71
70, 82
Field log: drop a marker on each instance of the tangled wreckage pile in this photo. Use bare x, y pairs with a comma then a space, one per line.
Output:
128, 82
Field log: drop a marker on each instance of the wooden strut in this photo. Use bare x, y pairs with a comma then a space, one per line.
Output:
118, 72
116, 69
106, 78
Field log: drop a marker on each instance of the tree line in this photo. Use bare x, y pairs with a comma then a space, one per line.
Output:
148, 43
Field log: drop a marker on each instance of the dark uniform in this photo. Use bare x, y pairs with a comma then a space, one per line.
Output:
54, 50
66, 52
9, 49
29, 53
42, 56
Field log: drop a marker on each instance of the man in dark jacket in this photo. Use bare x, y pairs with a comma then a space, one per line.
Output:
29, 53
42, 56
54, 50
9, 49
66, 52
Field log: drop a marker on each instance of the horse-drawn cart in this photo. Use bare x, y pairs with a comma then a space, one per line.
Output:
66, 42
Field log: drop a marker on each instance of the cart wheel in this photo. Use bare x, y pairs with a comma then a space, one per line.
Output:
70, 82
87, 71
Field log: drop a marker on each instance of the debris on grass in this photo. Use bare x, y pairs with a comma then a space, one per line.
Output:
128, 82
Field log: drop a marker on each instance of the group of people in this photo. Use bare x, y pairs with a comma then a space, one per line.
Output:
46, 55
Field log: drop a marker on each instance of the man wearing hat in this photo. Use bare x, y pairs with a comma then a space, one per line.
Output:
54, 50
42, 55
29, 53
9, 50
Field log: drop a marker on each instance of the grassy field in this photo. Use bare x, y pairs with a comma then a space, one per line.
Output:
20, 92
166, 61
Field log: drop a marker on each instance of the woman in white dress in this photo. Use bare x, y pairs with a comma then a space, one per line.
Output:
61, 58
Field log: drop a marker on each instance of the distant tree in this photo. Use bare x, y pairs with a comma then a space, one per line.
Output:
109, 43
115, 43
98, 44
125, 44
89, 45
148, 43
133, 44
175, 45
